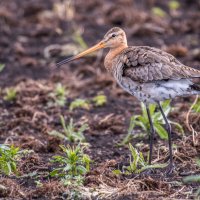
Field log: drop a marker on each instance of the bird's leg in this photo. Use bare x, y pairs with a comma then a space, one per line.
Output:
152, 132
169, 130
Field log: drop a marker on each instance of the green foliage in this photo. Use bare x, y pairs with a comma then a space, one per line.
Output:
59, 94
158, 121
79, 40
196, 107
38, 183
72, 166
193, 179
11, 94
157, 11
70, 132
137, 163
79, 103
8, 159
99, 100
173, 5
116, 172
2, 66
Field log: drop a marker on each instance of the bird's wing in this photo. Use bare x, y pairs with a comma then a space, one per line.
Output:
146, 64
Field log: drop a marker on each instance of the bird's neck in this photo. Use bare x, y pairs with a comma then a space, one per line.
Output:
112, 54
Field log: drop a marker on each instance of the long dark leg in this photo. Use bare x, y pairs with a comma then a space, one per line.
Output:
152, 132
169, 130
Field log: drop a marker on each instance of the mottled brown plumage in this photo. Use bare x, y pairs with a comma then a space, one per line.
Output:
148, 73
145, 64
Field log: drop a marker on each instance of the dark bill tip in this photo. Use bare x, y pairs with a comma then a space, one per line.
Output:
64, 61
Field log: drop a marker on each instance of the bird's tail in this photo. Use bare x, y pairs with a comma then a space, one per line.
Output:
196, 88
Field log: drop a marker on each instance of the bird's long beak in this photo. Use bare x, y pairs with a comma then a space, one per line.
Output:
100, 45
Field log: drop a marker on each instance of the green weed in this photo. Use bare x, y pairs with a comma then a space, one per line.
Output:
59, 94
73, 165
79, 103
158, 121
11, 94
79, 40
173, 5
70, 132
196, 107
2, 66
193, 179
38, 183
157, 11
137, 163
99, 100
8, 159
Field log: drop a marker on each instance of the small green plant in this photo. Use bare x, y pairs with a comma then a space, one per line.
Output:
79, 40
157, 11
196, 107
73, 165
193, 179
158, 121
8, 159
79, 103
173, 5
38, 183
11, 94
2, 66
137, 163
59, 94
71, 133
99, 100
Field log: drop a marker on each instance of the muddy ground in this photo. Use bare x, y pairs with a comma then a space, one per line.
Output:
34, 35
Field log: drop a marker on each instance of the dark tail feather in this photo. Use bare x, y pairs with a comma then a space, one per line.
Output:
196, 88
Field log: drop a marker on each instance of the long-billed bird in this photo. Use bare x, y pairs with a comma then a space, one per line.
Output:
147, 73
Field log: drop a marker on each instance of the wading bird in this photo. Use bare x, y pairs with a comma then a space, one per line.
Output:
147, 73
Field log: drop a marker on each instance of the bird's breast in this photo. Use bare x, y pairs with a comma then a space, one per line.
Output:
111, 58
108, 63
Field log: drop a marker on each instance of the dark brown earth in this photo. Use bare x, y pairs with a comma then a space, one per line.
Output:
28, 29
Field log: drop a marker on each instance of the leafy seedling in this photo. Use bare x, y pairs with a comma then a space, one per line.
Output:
137, 163
196, 107
70, 132
73, 165
59, 95
2, 66
79, 40
79, 103
158, 121
100, 100
8, 159
11, 94
174, 5
157, 11
193, 179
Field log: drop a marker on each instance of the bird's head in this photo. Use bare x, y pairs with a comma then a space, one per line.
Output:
114, 38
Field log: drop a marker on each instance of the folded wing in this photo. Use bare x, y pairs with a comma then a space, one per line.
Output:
146, 64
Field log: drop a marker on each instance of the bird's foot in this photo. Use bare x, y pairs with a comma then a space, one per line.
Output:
169, 169
148, 172
166, 170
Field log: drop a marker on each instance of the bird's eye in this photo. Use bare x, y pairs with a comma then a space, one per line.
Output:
113, 35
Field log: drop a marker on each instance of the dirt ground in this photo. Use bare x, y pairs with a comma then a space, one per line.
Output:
34, 35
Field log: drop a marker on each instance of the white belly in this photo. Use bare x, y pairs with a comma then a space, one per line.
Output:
153, 92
